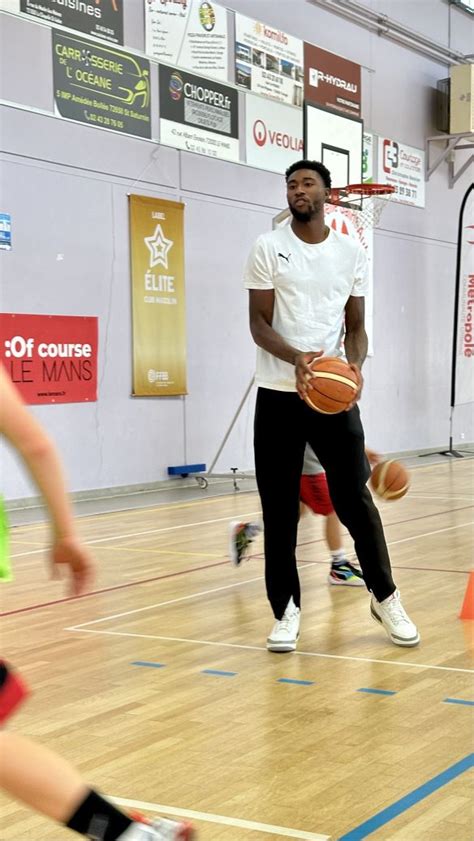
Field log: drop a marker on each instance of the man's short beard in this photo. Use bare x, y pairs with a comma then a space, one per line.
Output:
302, 215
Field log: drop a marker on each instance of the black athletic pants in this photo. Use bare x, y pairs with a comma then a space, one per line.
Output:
283, 425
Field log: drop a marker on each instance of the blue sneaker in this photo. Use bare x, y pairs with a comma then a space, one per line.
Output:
346, 574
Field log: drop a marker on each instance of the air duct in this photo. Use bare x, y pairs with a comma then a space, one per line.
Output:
385, 27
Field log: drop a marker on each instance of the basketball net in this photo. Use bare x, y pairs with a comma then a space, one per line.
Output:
371, 200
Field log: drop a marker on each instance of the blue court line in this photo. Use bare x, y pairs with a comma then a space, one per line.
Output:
300, 682
458, 701
217, 673
378, 691
386, 815
150, 665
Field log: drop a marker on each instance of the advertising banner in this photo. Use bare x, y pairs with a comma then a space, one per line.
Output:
5, 232
198, 115
463, 382
274, 134
268, 61
367, 158
193, 35
101, 85
158, 296
404, 168
332, 81
101, 18
51, 358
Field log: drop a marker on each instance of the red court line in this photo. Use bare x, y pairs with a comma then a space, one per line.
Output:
195, 569
226, 562
110, 589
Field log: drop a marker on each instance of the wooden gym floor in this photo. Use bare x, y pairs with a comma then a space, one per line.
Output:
158, 685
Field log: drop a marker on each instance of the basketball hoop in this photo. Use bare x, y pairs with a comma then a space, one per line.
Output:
368, 213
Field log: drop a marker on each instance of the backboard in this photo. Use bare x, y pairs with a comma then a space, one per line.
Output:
336, 139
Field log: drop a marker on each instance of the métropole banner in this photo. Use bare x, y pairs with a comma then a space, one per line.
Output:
158, 301
464, 353
51, 358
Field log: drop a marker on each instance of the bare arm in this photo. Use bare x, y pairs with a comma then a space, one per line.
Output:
355, 342
41, 458
261, 304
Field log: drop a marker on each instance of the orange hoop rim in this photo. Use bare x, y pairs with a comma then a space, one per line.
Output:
364, 191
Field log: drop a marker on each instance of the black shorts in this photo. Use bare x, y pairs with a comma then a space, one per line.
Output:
12, 692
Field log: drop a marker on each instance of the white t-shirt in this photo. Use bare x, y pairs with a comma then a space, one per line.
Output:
311, 464
312, 283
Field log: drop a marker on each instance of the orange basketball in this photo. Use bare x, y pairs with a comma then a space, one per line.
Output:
390, 480
332, 387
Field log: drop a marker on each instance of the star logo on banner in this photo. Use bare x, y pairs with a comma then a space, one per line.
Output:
158, 247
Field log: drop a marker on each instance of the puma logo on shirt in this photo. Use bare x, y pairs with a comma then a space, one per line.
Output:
285, 258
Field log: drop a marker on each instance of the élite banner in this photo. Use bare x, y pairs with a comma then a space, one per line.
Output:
158, 296
51, 358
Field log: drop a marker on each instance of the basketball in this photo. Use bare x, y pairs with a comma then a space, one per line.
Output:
332, 387
390, 480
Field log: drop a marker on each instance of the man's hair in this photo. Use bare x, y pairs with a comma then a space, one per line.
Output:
318, 167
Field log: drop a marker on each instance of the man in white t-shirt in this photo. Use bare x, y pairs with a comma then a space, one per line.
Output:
307, 284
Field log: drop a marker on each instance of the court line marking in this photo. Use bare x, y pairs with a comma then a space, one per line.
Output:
81, 630
302, 565
404, 803
141, 551
170, 601
175, 505
172, 506
293, 680
377, 691
242, 517
440, 496
148, 531
429, 533
240, 583
218, 673
286, 832
112, 588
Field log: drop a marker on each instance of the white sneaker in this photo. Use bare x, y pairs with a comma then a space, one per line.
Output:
391, 614
163, 829
286, 630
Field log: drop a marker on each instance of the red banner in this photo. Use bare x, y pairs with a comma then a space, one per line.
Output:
51, 358
331, 81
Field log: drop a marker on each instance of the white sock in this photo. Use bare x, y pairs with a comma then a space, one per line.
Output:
338, 557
